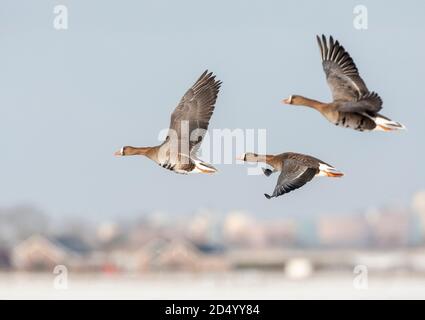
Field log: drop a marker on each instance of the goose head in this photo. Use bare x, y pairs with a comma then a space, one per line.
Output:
297, 100
288, 100
124, 151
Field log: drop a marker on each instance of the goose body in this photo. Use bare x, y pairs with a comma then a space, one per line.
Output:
353, 106
295, 169
189, 122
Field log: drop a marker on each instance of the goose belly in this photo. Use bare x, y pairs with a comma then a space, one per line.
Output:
178, 164
354, 121
182, 168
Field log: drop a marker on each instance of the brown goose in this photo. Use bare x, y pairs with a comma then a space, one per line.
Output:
353, 106
296, 170
189, 122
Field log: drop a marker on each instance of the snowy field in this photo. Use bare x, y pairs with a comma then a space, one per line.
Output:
246, 285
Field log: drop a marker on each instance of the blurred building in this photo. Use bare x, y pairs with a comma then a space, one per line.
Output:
280, 232
19, 222
343, 231
418, 205
107, 232
204, 228
5, 263
242, 230
161, 254
389, 228
39, 253
208, 242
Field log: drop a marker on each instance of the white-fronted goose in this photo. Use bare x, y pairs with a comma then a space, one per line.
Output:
296, 170
189, 122
353, 106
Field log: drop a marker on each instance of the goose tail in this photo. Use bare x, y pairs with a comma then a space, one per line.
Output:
326, 170
385, 124
203, 167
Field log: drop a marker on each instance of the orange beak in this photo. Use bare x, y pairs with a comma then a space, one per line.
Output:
118, 153
287, 101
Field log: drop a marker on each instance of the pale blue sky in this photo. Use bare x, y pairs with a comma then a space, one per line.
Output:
69, 99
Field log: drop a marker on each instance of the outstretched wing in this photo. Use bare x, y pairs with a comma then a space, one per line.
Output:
341, 72
370, 103
293, 176
190, 119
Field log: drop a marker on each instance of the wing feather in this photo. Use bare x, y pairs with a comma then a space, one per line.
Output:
190, 119
369, 103
293, 176
341, 72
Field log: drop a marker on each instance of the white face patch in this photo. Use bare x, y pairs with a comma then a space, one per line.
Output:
290, 99
122, 151
241, 157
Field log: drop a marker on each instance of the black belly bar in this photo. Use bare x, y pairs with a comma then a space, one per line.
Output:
168, 166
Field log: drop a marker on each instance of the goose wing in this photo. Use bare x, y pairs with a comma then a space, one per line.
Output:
341, 72
370, 103
293, 176
190, 119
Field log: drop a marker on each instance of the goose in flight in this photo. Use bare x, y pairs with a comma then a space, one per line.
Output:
353, 106
295, 170
189, 123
